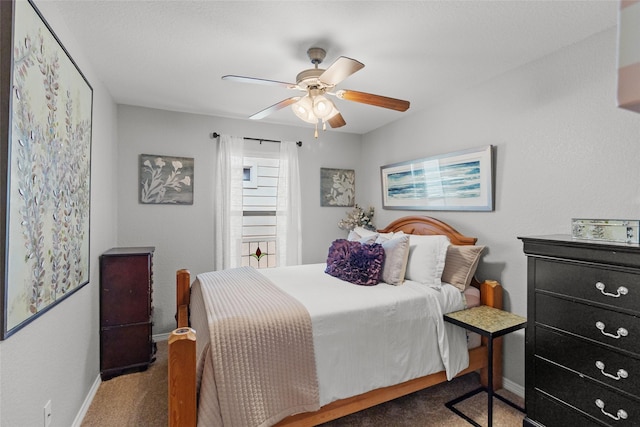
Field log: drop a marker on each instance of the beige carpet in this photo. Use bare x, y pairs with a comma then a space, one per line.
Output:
140, 400
136, 400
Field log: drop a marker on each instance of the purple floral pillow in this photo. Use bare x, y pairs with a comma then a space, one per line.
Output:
355, 262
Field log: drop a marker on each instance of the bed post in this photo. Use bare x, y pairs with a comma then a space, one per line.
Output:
182, 359
182, 378
491, 295
183, 289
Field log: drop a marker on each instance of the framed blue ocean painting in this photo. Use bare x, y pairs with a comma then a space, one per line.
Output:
458, 181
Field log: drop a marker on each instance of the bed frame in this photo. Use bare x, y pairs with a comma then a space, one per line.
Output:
182, 348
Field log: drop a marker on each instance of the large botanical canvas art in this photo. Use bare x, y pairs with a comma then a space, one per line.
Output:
46, 137
462, 180
165, 179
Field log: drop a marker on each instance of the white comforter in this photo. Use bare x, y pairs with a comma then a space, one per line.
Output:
367, 337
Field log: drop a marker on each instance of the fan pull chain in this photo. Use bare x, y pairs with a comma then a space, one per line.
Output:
316, 134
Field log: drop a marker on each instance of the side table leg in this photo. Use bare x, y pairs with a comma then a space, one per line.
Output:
490, 383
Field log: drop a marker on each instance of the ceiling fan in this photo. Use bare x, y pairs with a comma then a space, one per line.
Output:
314, 106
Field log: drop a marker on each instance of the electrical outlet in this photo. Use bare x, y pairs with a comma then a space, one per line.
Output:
47, 414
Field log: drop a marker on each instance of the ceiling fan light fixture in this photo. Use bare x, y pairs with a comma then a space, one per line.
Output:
322, 107
304, 109
332, 113
317, 83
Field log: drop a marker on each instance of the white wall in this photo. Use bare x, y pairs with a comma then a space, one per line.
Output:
183, 235
563, 150
56, 357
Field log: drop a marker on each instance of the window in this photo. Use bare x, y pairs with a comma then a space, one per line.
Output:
270, 212
259, 201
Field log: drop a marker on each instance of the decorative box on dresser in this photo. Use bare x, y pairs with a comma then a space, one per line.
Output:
582, 349
126, 310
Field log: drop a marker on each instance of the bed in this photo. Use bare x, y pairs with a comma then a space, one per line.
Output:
193, 390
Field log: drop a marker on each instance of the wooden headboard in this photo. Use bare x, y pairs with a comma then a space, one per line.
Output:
428, 226
425, 225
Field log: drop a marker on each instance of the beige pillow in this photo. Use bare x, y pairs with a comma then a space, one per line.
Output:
396, 252
460, 265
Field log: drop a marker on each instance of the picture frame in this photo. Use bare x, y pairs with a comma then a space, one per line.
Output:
165, 180
45, 168
457, 181
337, 187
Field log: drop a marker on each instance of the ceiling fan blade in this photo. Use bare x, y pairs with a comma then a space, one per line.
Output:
275, 107
377, 100
253, 80
336, 121
341, 68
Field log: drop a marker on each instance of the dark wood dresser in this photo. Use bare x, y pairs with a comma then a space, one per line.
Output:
583, 336
126, 309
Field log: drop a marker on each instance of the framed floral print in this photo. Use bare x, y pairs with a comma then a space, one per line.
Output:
165, 180
337, 187
45, 168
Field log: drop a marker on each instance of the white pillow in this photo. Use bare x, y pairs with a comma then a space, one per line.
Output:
362, 232
396, 253
427, 255
365, 240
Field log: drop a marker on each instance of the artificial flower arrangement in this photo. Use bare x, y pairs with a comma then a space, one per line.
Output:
358, 217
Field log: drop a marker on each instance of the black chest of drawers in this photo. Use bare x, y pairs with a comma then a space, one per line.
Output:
582, 349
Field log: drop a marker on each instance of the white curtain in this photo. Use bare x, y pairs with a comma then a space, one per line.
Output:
288, 213
228, 202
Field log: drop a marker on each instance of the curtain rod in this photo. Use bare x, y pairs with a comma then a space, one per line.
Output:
214, 135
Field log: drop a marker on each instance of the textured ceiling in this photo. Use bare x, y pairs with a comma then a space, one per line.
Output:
171, 54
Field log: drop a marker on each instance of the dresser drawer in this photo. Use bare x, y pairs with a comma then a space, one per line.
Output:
603, 285
587, 396
126, 346
552, 413
603, 326
125, 290
599, 363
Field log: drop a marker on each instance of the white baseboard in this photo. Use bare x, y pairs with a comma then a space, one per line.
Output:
514, 388
87, 402
161, 337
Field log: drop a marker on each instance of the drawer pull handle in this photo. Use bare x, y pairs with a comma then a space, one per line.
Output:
620, 415
621, 332
621, 290
620, 374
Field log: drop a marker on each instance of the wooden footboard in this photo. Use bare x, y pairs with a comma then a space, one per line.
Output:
182, 369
